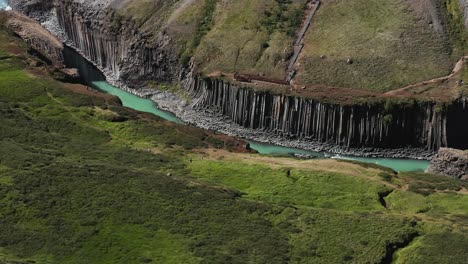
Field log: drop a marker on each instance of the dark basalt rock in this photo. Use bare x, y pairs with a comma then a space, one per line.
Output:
31, 8
418, 125
450, 162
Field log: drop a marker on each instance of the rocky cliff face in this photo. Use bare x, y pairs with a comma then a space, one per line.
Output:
450, 162
34, 34
383, 125
127, 55
116, 46
31, 8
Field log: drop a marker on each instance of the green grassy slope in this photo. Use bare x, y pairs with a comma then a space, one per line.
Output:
84, 180
228, 36
391, 44
251, 37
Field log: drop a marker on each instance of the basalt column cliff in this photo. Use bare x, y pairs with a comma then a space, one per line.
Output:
424, 124
131, 57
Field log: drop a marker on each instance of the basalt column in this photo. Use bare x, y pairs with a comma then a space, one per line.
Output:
118, 47
422, 125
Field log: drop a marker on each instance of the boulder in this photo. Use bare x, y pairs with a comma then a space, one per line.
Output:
450, 162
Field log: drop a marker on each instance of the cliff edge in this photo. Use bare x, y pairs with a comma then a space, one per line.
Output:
450, 162
34, 34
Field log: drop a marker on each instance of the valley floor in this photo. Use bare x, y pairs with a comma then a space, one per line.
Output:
85, 180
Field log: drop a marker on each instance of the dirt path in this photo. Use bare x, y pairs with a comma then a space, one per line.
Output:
457, 69
313, 5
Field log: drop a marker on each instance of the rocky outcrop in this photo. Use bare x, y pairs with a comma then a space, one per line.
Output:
450, 162
35, 35
31, 8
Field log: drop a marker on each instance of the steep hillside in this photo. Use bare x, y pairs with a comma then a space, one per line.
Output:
226, 36
391, 43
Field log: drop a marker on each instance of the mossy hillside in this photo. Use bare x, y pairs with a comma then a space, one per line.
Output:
79, 187
431, 195
456, 26
315, 230
147, 14
251, 37
286, 185
390, 45
237, 36
428, 249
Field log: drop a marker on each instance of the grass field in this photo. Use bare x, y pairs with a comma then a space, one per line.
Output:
320, 189
85, 180
390, 42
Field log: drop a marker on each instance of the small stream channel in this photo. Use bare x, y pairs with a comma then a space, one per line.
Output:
92, 77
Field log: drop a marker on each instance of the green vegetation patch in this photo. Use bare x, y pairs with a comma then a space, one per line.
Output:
427, 183
456, 25
323, 236
250, 37
71, 189
296, 187
390, 44
443, 247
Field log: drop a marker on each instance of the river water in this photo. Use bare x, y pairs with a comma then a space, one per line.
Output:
4, 5
94, 78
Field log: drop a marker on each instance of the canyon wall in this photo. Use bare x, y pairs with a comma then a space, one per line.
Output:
383, 125
132, 57
115, 45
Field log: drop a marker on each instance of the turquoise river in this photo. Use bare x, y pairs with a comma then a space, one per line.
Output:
95, 79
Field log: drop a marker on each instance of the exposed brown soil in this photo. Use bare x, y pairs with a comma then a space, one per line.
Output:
37, 36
